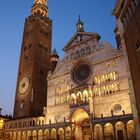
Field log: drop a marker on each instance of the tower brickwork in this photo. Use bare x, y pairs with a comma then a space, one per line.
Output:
127, 15
31, 90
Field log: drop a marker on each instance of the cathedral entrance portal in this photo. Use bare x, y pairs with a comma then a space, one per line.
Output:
80, 125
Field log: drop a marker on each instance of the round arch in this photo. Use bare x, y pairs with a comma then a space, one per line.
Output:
73, 98
34, 135
19, 135
46, 134
14, 135
29, 134
85, 95
68, 132
131, 130
108, 130
79, 97
98, 133
120, 128
79, 115
61, 134
77, 119
40, 135
53, 134
11, 135
23, 135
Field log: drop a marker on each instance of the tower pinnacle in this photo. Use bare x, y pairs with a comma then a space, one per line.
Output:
40, 6
80, 25
40, 1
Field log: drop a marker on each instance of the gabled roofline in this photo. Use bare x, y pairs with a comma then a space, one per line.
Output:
82, 33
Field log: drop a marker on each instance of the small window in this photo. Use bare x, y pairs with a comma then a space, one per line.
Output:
117, 108
30, 45
88, 50
25, 48
138, 45
46, 49
27, 33
82, 52
40, 45
41, 72
44, 30
72, 56
26, 57
77, 54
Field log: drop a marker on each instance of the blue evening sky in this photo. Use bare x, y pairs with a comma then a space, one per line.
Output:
96, 15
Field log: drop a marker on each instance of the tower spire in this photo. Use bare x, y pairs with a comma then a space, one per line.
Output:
40, 6
80, 25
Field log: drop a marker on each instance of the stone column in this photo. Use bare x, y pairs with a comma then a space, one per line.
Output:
103, 131
125, 128
114, 130
72, 132
49, 134
91, 131
64, 133
57, 135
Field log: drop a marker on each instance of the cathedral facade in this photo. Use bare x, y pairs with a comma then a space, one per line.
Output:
87, 91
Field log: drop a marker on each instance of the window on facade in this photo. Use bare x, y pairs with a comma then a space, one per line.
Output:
105, 77
82, 52
40, 45
88, 50
26, 57
117, 108
61, 100
27, 32
72, 56
108, 89
138, 45
63, 89
111, 64
77, 54
46, 49
44, 30
30, 45
25, 48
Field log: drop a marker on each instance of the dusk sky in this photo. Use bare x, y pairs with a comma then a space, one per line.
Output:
96, 15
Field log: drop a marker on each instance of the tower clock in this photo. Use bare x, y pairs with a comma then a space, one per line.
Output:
31, 89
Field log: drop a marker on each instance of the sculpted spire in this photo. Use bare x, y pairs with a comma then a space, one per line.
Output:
80, 25
40, 2
40, 6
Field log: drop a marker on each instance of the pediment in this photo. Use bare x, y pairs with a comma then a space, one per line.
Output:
80, 37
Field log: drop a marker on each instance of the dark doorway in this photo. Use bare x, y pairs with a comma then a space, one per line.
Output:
120, 135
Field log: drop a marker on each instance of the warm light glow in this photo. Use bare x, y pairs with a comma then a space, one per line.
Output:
40, 1
1, 124
63, 89
108, 89
105, 77
38, 8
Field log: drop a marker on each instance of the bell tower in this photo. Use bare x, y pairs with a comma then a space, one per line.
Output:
31, 89
40, 6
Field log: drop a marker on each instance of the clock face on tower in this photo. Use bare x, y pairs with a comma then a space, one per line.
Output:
23, 85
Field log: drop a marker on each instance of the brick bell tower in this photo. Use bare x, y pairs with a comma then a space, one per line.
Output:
31, 90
